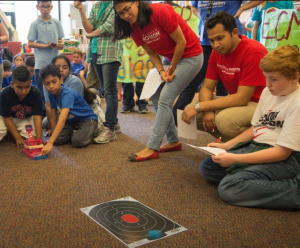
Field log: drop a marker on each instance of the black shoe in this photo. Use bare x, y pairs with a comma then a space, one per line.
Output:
126, 110
143, 110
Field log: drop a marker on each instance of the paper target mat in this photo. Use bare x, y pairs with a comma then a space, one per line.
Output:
130, 221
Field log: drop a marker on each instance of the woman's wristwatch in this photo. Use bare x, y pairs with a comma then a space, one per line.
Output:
197, 107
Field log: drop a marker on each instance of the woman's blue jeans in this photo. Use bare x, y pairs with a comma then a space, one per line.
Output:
164, 98
272, 185
107, 75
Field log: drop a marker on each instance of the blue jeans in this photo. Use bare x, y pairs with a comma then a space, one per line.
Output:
128, 94
164, 98
107, 75
272, 185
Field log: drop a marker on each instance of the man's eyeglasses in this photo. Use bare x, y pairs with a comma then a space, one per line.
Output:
45, 7
125, 11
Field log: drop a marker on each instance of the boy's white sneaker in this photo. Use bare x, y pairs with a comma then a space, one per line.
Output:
106, 135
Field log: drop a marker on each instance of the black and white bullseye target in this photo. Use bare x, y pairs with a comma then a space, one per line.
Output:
131, 221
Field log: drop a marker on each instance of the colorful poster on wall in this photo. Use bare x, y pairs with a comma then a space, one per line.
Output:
135, 63
279, 28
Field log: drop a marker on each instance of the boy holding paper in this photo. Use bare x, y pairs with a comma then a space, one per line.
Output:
262, 167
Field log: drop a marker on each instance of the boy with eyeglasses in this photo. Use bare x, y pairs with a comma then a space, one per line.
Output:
45, 36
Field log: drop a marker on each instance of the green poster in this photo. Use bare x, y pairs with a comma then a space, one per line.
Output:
280, 27
189, 17
135, 63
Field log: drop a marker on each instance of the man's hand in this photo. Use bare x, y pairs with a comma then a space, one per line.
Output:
208, 120
47, 148
225, 159
188, 112
20, 142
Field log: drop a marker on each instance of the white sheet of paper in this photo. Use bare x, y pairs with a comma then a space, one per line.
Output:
208, 150
152, 82
186, 131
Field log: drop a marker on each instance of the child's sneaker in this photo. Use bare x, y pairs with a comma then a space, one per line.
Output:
126, 110
117, 128
143, 110
105, 136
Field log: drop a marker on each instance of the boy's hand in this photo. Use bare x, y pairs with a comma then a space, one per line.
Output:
47, 148
225, 159
48, 133
60, 46
51, 45
20, 142
218, 145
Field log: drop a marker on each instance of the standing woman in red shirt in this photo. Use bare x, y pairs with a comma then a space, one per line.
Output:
161, 31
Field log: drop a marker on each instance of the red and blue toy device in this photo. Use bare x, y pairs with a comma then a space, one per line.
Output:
32, 147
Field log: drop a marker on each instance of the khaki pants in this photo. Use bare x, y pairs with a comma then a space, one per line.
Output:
231, 122
92, 79
20, 125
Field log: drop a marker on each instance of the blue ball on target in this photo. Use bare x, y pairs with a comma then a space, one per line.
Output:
154, 234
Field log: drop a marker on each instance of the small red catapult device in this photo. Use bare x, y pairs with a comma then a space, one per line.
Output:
32, 147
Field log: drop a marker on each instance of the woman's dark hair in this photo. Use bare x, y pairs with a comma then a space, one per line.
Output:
89, 95
223, 18
122, 29
50, 69
65, 58
21, 74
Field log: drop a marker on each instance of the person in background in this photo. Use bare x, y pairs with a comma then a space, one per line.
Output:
17, 61
76, 64
45, 36
29, 63
248, 26
3, 39
262, 166
77, 122
7, 77
106, 58
200, 9
257, 16
161, 31
20, 105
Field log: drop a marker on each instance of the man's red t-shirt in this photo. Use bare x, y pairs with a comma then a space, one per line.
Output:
156, 34
239, 68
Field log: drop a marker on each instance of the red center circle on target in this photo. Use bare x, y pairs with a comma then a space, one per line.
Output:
130, 218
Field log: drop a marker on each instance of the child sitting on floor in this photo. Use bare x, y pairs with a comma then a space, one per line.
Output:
20, 105
262, 166
77, 122
7, 78
76, 64
17, 61
30, 63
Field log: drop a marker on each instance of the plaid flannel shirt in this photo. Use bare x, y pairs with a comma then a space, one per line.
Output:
108, 51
